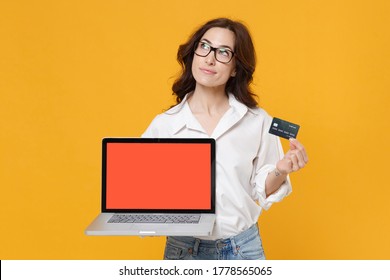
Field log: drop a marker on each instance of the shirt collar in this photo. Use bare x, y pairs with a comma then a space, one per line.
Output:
185, 118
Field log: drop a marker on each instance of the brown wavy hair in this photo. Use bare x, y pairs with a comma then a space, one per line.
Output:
245, 57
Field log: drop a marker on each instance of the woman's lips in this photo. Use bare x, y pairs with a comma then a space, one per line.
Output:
207, 71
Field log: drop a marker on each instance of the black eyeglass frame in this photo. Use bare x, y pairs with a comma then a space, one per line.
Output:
214, 50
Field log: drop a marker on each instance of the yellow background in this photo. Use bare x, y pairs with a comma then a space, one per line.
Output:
72, 72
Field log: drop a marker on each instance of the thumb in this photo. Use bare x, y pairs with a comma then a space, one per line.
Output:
293, 145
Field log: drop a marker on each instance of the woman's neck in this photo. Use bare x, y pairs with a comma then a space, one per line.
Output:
208, 100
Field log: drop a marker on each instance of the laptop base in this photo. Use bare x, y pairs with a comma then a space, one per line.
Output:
100, 227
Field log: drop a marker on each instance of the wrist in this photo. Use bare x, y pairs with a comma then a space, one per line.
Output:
279, 173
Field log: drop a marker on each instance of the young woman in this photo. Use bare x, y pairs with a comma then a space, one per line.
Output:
214, 100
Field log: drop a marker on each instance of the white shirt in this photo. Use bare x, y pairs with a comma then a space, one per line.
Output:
245, 154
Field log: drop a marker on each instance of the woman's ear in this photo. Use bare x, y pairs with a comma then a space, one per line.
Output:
233, 73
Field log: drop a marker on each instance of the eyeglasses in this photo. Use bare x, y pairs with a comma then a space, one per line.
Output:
223, 55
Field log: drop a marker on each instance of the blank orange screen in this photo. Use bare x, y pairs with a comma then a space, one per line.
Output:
158, 176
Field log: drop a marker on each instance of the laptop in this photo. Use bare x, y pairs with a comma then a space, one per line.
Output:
157, 187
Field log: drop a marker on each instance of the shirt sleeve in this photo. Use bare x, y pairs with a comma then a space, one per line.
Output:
152, 131
270, 152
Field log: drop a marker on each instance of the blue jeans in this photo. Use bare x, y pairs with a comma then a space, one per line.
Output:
244, 246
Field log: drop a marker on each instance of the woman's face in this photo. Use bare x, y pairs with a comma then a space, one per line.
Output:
207, 70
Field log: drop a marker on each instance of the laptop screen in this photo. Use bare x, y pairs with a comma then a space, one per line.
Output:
158, 175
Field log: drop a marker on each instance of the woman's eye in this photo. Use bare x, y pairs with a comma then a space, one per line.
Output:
223, 52
204, 46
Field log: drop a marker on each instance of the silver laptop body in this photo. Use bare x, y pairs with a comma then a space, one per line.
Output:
157, 187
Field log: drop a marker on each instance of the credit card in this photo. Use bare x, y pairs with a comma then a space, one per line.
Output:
283, 128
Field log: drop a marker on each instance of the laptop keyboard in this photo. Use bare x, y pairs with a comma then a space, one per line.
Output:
157, 219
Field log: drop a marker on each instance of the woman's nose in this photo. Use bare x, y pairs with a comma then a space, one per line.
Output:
210, 58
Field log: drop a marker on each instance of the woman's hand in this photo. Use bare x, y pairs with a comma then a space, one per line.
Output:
295, 159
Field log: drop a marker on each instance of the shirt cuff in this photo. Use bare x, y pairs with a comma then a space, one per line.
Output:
259, 188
